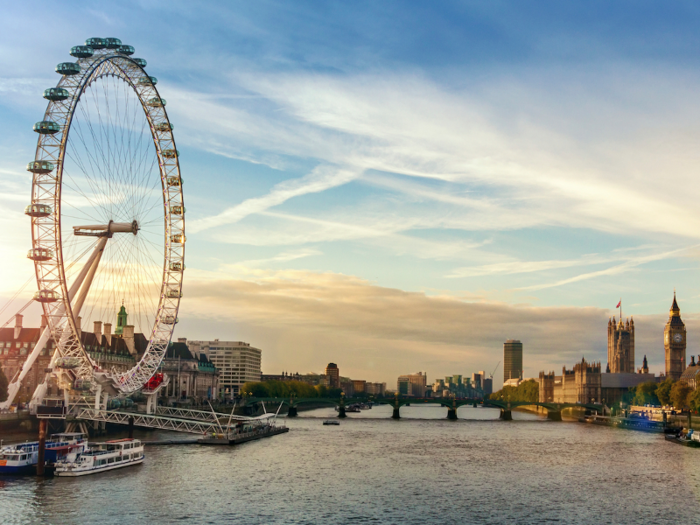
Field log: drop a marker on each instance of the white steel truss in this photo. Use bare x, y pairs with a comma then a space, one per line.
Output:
191, 426
199, 415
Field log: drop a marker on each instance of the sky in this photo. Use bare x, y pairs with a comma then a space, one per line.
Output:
402, 186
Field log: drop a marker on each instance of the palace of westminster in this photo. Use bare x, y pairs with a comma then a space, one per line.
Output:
586, 382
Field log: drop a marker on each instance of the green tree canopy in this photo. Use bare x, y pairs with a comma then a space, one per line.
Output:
3, 386
527, 391
663, 391
680, 392
694, 400
288, 389
645, 393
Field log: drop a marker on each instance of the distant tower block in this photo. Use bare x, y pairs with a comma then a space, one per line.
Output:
512, 360
333, 374
621, 346
674, 342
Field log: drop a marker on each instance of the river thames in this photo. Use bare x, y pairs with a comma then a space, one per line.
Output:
371, 469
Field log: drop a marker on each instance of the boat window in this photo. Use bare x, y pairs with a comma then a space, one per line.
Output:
24, 456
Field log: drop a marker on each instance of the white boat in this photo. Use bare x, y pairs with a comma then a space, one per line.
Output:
23, 458
101, 457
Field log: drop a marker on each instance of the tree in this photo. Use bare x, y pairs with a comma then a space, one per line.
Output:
694, 400
680, 392
645, 394
256, 389
3, 386
663, 391
527, 391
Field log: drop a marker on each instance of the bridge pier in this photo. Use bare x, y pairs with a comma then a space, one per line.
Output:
554, 415
341, 411
505, 415
131, 428
292, 412
396, 414
452, 414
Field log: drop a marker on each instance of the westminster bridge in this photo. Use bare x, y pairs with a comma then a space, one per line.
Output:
554, 410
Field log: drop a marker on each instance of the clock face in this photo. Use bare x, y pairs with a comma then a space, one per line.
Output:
677, 338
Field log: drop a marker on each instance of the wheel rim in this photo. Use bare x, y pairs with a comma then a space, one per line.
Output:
114, 159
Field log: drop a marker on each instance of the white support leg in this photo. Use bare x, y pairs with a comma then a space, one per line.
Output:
89, 268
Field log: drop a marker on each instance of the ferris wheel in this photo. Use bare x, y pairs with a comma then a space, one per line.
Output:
107, 215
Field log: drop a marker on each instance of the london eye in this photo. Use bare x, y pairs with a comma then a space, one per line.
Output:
107, 215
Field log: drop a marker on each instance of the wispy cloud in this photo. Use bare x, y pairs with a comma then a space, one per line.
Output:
320, 179
279, 258
615, 270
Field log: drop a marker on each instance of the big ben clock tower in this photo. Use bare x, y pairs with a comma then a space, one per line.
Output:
674, 342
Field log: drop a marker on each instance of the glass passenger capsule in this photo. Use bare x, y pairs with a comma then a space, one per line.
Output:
46, 127
46, 296
140, 61
83, 385
126, 50
170, 319
173, 294
177, 266
68, 68
112, 43
173, 182
68, 363
164, 126
56, 94
82, 51
178, 238
177, 210
40, 254
156, 102
171, 153
40, 166
147, 81
38, 210
96, 43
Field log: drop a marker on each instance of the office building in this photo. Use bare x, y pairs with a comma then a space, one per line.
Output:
333, 375
412, 384
237, 362
512, 360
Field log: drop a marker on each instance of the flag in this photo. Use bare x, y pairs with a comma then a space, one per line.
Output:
618, 304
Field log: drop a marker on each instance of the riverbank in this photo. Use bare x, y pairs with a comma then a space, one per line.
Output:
17, 423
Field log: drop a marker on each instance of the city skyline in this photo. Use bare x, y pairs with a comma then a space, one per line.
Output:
408, 202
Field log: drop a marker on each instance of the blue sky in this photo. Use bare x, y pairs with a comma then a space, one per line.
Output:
401, 186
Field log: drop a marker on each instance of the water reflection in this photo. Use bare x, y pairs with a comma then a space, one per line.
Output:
420, 469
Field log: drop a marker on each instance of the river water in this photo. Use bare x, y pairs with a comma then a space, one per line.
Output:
371, 469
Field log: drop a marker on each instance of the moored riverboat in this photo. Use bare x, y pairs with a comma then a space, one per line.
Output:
101, 457
22, 458
688, 439
629, 423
